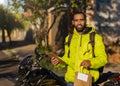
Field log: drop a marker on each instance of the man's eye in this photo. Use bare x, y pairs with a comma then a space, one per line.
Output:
75, 20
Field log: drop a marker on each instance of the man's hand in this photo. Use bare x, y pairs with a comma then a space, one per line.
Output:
54, 61
85, 63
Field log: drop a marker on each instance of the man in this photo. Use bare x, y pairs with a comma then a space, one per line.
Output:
80, 51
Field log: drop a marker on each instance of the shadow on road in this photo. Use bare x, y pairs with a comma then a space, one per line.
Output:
7, 62
8, 69
10, 76
14, 44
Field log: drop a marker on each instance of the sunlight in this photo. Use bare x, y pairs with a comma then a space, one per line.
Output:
3, 2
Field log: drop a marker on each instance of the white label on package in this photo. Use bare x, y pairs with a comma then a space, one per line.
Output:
82, 76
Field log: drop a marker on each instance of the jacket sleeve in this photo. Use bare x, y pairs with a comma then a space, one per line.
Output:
100, 58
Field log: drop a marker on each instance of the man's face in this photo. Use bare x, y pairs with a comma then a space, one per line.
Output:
79, 22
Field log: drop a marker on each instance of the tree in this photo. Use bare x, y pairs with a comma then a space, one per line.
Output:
2, 21
39, 9
10, 21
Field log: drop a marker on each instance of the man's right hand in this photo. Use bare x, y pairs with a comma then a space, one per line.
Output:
55, 61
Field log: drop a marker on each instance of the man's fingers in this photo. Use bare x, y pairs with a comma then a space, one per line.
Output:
54, 61
85, 63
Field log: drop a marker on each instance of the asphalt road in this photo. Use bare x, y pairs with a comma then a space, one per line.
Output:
9, 63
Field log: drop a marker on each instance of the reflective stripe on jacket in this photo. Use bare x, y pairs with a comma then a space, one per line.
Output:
81, 49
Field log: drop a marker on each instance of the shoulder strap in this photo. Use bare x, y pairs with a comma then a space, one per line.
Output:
69, 40
92, 41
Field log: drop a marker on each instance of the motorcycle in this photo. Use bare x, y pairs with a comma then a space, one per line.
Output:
109, 79
31, 73
112, 80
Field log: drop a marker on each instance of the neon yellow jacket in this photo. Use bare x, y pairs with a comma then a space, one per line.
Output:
81, 49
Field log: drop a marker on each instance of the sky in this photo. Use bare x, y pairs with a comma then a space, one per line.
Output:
4, 2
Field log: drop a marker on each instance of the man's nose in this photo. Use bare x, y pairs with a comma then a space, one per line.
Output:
79, 21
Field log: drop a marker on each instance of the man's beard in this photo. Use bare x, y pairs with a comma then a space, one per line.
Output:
80, 28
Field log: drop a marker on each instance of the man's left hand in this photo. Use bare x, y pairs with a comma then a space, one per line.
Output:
85, 63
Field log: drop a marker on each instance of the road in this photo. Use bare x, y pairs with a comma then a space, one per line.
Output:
9, 63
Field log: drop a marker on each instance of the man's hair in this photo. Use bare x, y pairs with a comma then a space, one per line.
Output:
78, 13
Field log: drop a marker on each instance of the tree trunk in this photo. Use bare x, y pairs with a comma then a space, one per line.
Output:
10, 41
3, 36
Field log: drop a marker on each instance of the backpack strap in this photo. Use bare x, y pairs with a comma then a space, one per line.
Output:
68, 43
92, 41
69, 39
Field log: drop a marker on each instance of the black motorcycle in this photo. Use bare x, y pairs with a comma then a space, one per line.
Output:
30, 73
